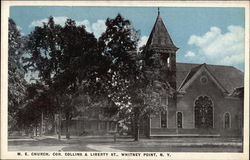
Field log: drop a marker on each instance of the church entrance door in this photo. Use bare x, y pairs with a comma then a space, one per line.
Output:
203, 112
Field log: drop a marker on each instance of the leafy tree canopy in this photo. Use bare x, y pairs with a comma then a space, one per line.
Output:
16, 72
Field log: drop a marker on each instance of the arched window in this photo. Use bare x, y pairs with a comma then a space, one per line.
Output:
227, 120
203, 111
179, 119
168, 62
164, 119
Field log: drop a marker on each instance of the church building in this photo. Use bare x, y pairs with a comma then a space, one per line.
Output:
195, 99
207, 99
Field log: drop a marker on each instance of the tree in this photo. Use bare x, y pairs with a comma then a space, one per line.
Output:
45, 52
64, 57
78, 69
127, 82
80, 64
119, 44
44, 49
149, 89
16, 73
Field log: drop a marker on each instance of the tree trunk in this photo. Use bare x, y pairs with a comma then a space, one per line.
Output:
55, 124
59, 125
36, 129
136, 124
67, 126
41, 125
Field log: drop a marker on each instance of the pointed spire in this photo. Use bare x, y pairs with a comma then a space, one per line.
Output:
159, 37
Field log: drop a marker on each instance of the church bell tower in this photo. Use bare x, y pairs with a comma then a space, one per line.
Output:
160, 54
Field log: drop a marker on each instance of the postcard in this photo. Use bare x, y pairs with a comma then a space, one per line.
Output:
125, 80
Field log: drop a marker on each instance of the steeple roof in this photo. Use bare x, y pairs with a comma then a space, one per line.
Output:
159, 37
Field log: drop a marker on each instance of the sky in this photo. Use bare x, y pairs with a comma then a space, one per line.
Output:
212, 35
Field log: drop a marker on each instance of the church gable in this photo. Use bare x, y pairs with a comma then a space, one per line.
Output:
228, 77
203, 73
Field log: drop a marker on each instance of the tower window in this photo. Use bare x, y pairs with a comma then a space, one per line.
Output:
168, 62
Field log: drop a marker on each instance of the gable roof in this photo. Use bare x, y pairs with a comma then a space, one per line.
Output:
195, 72
228, 76
159, 36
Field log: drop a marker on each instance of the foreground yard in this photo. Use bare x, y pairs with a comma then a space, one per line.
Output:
126, 144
